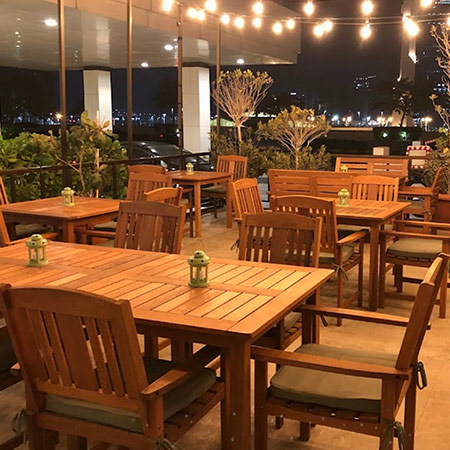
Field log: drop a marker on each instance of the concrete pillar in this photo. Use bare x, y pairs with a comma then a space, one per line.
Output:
97, 95
196, 109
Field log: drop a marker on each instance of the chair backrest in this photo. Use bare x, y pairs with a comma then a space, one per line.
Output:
246, 197
396, 167
312, 207
169, 195
4, 234
75, 345
139, 183
280, 238
421, 312
150, 226
329, 186
146, 168
3, 196
375, 187
237, 165
439, 181
289, 182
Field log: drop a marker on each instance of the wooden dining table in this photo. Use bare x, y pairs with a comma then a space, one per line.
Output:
374, 215
243, 301
87, 211
198, 179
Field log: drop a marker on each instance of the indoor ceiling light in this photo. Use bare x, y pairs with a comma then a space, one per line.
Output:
144, 64
240, 61
258, 8
367, 7
51, 22
309, 8
168, 47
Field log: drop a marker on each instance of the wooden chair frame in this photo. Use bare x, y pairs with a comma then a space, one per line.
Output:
326, 209
411, 229
246, 198
146, 168
373, 165
139, 183
375, 187
398, 383
58, 336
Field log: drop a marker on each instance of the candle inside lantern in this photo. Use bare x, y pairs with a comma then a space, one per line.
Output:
199, 263
344, 197
37, 251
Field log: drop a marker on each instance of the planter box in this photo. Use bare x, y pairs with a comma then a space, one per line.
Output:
443, 209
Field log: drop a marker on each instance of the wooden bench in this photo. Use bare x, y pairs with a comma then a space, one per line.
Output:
317, 183
395, 167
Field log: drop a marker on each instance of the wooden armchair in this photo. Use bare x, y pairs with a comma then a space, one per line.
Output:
236, 165
422, 200
337, 254
415, 244
375, 187
85, 376
281, 238
353, 390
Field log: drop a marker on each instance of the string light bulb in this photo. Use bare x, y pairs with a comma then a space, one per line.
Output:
328, 25
411, 27
210, 5
192, 13
367, 7
290, 24
167, 5
426, 3
225, 19
277, 28
239, 22
258, 8
257, 22
200, 15
309, 8
319, 30
366, 31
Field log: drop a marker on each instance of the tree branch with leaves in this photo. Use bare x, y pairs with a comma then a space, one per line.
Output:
295, 130
239, 93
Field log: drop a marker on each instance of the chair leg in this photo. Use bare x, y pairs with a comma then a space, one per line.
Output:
305, 431
340, 293
191, 222
215, 207
151, 348
361, 277
398, 277
382, 278
76, 443
36, 436
260, 399
410, 414
443, 297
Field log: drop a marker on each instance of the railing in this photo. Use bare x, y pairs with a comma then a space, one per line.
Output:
11, 176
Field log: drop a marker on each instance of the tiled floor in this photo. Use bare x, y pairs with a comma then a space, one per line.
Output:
433, 412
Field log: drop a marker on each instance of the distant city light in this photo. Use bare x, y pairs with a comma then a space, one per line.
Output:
225, 19
426, 3
167, 5
319, 30
240, 61
367, 7
258, 8
290, 24
58, 116
51, 22
144, 64
168, 47
309, 8
257, 22
277, 28
239, 22
210, 5
366, 31
335, 118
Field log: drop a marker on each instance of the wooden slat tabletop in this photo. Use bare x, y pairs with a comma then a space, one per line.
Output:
198, 176
370, 210
52, 207
243, 297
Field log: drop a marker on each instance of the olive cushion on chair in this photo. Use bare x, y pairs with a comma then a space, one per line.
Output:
173, 402
216, 189
107, 226
328, 258
7, 356
420, 248
328, 389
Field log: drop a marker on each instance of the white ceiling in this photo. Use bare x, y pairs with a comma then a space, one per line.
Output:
94, 40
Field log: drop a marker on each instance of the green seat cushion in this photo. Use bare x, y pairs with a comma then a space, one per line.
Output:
419, 204
416, 248
7, 356
173, 401
23, 231
331, 389
216, 189
328, 258
107, 226
291, 319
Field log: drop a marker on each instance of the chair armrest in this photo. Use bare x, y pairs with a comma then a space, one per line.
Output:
362, 316
352, 238
407, 234
181, 372
96, 233
416, 223
412, 191
324, 364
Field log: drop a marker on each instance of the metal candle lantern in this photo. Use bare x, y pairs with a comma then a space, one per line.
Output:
37, 251
68, 196
199, 263
190, 168
344, 197
344, 168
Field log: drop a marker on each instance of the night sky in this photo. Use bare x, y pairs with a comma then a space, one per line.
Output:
326, 67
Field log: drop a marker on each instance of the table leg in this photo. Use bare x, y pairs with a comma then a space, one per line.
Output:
198, 209
229, 207
68, 232
373, 266
236, 429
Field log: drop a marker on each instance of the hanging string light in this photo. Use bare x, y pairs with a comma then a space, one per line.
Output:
448, 21
319, 30
167, 5
366, 31
328, 25
426, 3
257, 22
277, 27
200, 15
367, 7
239, 22
411, 27
258, 8
210, 5
192, 13
309, 8
225, 19
290, 24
